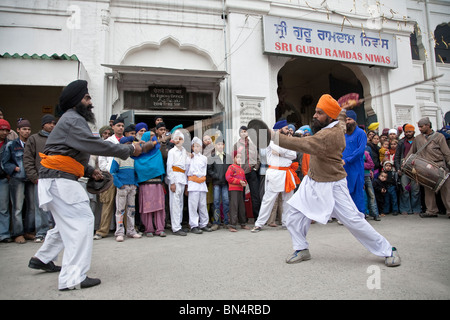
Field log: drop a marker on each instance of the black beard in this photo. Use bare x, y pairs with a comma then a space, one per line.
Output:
317, 125
86, 112
351, 127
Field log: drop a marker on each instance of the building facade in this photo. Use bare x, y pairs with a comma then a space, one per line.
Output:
216, 64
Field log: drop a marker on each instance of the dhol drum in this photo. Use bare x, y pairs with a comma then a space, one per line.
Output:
424, 172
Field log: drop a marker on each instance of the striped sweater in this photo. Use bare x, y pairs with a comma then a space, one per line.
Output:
123, 172
234, 175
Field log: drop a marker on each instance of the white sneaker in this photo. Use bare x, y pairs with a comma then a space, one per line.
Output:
119, 238
298, 256
394, 260
135, 236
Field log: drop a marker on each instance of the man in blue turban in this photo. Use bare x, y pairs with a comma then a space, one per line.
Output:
353, 157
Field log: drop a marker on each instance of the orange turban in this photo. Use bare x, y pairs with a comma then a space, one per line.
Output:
409, 127
329, 106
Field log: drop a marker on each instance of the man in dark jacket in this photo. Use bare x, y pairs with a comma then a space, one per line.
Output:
32, 163
409, 198
20, 187
5, 235
219, 163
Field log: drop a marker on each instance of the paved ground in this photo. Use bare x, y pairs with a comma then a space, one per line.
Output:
239, 266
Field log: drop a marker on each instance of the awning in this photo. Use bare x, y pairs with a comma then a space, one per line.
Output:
166, 73
40, 70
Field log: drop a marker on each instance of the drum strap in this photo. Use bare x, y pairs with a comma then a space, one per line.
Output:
428, 142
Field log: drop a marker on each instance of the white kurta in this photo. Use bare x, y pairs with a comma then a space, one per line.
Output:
178, 158
275, 181
197, 167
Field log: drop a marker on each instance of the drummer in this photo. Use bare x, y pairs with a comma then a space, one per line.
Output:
438, 152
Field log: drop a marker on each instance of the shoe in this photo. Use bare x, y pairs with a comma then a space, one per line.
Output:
97, 236
196, 230
376, 218
256, 229
428, 215
20, 239
206, 229
340, 223
86, 283
394, 260
149, 234
135, 236
39, 239
180, 233
35, 263
119, 239
6, 240
215, 227
298, 256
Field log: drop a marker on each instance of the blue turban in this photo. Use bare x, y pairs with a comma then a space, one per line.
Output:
351, 114
180, 126
280, 124
141, 125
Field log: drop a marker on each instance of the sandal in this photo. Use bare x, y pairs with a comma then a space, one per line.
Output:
20, 239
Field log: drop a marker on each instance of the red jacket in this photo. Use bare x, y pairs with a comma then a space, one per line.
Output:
234, 175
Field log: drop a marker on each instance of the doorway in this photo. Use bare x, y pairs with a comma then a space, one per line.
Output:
302, 81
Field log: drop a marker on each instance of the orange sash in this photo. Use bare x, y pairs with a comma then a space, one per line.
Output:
197, 179
62, 163
289, 185
178, 169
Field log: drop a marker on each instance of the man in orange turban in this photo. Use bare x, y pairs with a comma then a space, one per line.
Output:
323, 193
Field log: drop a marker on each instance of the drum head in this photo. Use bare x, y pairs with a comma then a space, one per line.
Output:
259, 133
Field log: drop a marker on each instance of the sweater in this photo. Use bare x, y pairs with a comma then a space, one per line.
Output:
123, 172
31, 158
235, 174
325, 148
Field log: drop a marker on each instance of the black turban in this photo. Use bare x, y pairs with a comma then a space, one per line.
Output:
73, 94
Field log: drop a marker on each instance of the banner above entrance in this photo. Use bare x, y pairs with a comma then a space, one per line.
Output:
327, 41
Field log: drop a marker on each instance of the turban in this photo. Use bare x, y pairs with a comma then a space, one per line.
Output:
124, 140
280, 124
160, 124
23, 123
409, 127
176, 127
306, 128
177, 133
4, 125
197, 141
393, 131
119, 120
113, 117
140, 126
329, 106
373, 126
130, 128
104, 128
291, 126
47, 119
351, 114
73, 94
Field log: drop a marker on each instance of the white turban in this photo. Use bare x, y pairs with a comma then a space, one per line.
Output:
176, 134
196, 140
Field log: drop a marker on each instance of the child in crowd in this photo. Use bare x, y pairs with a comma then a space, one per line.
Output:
197, 189
380, 188
236, 181
216, 170
384, 151
125, 181
177, 163
391, 197
392, 149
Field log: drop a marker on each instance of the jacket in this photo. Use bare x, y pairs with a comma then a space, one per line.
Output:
399, 154
325, 149
2, 172
436, 151
217, 169
31, 158
249, 153
12, 157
